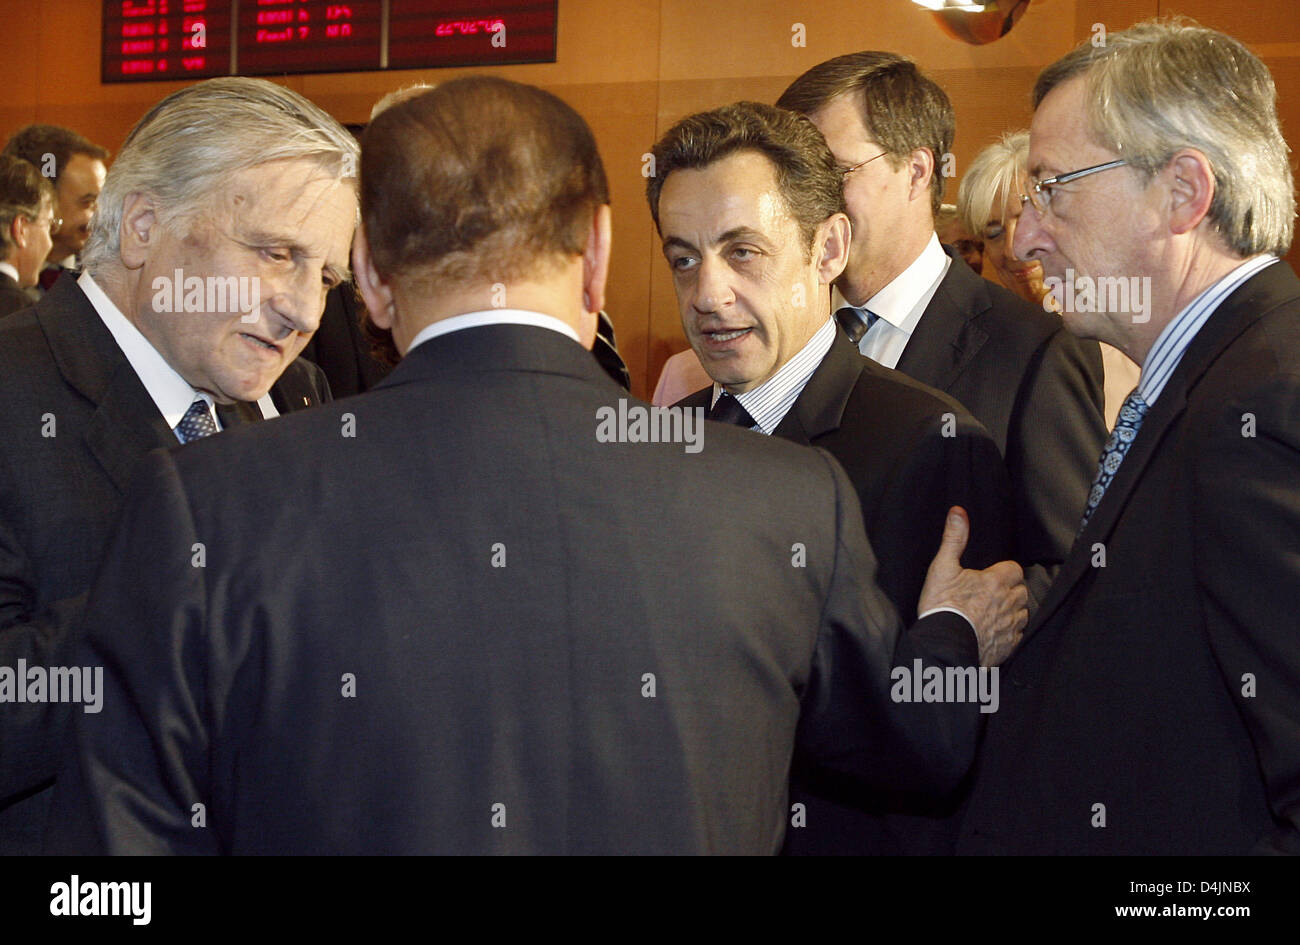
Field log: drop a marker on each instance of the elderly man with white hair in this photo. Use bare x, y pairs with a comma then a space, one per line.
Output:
224, 221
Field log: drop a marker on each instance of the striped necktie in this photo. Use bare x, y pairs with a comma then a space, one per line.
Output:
855, 321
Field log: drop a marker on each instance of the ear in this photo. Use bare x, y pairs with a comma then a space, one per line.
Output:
376, 293
831, 251
1191, 183
595, 271
18, 231
920, 164
139, 230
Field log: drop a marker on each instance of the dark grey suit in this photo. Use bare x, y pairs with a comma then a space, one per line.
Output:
1035, 387
1154, 704
74, 422
12, 296
557, 644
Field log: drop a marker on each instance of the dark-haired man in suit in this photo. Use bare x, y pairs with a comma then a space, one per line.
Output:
26, 221
204, 277
520, 663
749, 204
910, 304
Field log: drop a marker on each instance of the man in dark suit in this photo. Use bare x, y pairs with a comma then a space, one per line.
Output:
26, 221
76, 166
752, 261
916, 306
204, 277
520, 662
1154, 707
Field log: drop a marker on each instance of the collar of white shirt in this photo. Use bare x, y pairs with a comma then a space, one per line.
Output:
903, 301
493, 316
9, 271
170, 392
769, 402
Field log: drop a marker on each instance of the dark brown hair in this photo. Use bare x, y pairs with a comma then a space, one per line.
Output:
22, 191
33, 142
478, 180
902, 108
809, 179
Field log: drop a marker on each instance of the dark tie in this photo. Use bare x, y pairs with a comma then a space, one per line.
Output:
856, 322
49, 276
197, 422
728, 409
1130, 419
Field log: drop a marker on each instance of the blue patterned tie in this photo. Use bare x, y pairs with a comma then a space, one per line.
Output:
197, 422
1130, 419
856, 322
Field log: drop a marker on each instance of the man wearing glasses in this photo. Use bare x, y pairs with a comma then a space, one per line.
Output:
913, 305
1154, 706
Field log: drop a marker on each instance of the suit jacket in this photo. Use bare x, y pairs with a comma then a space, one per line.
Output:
75, 420
911, 453
12, 296
520, 662
1157, 689
1035, 387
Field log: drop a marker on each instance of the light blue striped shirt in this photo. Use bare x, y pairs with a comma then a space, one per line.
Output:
1169, 348
769, 402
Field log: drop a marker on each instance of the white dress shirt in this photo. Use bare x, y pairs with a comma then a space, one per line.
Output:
9, 271
492, 316
900, 304
769, 402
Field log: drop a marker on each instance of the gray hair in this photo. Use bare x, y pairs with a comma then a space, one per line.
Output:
187, 146
990, 180
1170, 84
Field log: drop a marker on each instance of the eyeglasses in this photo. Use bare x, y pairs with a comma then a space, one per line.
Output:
1040, 191
849, 170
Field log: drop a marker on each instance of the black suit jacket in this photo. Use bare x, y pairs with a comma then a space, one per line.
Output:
74, 422
539, 666
1035, 387
12, 296
1157, 689
911, 453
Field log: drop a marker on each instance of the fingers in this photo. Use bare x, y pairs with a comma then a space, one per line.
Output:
956, 532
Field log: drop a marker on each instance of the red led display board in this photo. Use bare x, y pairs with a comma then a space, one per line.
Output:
165, 39
425, 33
178, 39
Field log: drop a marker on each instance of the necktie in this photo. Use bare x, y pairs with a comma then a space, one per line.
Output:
729, 410
1130, 419
856, 322
48, 277
197, 422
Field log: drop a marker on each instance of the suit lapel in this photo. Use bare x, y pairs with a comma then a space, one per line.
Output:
1247, 304
819, 409
232, 415
948, 335
126, 422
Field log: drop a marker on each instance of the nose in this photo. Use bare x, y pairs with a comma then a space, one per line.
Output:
296, 302
712, 286
1030, 239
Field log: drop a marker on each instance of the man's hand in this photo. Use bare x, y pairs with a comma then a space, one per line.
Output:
994, 600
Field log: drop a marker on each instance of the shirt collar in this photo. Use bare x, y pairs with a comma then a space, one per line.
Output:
1173, 341
901, 303
769, 402
494, 316
170, 392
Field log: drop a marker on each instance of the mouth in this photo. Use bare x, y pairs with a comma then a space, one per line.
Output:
721, 337
261, 344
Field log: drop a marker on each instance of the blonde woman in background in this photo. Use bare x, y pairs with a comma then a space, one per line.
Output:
988, 206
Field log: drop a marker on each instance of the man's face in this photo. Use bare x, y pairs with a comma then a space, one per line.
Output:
875, 195
283, 230
1103, 225
749, 295
78, 187
30, 258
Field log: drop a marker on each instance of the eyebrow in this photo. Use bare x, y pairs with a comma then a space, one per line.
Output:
735, 233
291, 243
